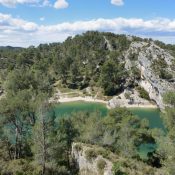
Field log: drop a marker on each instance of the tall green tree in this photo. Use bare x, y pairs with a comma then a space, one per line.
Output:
43, 132
66, 133
111, 77
16, 118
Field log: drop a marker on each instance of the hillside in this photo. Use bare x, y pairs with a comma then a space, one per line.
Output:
99, 64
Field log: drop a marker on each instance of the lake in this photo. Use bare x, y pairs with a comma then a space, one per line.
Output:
152, 115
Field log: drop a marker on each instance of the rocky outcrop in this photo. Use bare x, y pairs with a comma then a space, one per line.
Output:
129, 98
88, 162
147, 54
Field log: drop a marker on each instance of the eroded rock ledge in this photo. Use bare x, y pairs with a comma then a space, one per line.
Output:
95, 160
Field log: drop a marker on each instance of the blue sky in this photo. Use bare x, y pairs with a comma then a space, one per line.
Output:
30, 22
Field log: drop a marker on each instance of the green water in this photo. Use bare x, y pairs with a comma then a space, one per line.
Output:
152, 115
64, 109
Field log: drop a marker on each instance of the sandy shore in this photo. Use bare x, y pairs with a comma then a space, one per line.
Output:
141, 106
91, 99
86, 99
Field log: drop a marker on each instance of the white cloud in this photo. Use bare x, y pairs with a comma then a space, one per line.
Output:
13, 3
8, 22
61, 4
117, 2
37, 3
16, 31
116, 24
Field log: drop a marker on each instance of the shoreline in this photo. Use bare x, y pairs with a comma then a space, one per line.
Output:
94, 100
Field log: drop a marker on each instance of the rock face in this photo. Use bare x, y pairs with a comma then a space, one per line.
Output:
97, 165
150, 81
152, 62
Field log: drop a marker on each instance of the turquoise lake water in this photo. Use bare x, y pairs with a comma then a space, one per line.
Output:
64, 109
152, 115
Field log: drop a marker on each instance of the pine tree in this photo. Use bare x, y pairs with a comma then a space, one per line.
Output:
42, 133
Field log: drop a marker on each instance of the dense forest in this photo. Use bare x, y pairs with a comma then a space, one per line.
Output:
33, 140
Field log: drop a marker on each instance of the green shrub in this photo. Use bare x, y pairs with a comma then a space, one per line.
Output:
136, 72
117, 169
127, 95
133, 56
143, 94
20, 167
101, 163
90, 154
165, 75
103, 152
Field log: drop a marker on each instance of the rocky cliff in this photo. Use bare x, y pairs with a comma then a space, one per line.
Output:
156, 67
89, 163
